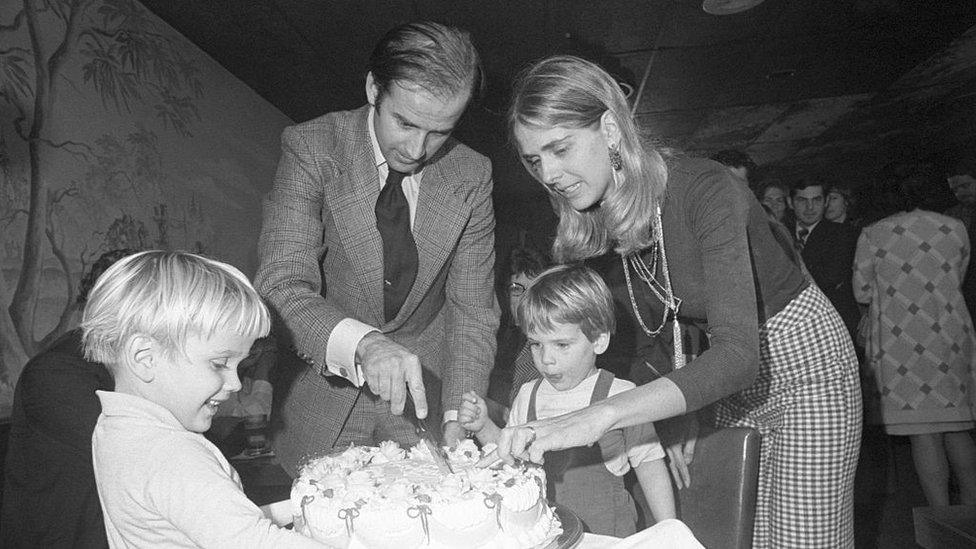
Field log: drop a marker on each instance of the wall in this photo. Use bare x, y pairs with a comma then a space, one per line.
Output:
115, 131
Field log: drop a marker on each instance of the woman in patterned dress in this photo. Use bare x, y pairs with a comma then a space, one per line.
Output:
920, 347
698, 247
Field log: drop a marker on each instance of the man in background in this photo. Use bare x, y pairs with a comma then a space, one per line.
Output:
377, 252
827, 248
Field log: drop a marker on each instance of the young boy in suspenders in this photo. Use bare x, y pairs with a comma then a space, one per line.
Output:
567, 316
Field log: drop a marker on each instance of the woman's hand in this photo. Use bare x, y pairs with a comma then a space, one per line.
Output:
679, 435
531, 440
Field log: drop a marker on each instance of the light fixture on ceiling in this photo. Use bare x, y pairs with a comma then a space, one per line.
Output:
728, 7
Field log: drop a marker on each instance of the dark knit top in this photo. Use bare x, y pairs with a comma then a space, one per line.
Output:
728, 270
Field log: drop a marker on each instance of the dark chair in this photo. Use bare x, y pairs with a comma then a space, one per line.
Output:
720, 505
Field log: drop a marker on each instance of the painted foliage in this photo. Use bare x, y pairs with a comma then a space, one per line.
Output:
115, 132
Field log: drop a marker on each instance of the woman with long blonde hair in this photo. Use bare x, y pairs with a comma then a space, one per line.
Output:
697, 247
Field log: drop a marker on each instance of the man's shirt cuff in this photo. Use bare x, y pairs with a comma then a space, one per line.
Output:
340, 351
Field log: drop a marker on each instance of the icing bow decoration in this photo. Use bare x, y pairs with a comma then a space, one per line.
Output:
305, 501
494, 501
348, 515
422, 511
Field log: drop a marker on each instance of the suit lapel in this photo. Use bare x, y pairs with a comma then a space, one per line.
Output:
352, 201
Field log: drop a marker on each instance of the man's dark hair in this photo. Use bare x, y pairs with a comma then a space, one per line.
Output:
527, 260
963, 165
735, 158
440, 59
100, 265
805, 182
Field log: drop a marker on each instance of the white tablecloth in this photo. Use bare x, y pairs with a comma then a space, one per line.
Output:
667, 534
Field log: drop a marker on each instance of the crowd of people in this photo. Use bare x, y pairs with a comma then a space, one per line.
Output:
751, 305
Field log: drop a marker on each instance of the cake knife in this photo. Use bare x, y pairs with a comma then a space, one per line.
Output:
440, 458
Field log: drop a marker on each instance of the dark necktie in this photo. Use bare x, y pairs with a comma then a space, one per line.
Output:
801, 237
399, 249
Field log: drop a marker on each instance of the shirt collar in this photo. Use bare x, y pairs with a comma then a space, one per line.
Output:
378, 157
126, 405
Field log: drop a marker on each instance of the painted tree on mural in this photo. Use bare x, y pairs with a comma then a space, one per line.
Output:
126, 60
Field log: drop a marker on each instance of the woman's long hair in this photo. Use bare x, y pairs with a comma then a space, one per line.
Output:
570, 92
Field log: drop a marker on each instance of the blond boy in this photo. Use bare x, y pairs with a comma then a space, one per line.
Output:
567, 315
172, 327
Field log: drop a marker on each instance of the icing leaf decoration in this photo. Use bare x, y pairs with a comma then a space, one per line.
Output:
510, 482
328, 492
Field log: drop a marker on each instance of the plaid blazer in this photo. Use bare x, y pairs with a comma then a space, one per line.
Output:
321, 260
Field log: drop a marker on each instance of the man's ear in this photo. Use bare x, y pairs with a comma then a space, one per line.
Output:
372, 92
140, 357
601, 343
611, 129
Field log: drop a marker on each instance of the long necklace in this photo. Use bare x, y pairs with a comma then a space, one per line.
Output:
663, 292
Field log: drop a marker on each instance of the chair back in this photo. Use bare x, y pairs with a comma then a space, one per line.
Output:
720, 505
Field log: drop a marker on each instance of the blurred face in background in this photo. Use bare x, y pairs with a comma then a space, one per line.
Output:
516, 287
775, 199
964, 187
836, 209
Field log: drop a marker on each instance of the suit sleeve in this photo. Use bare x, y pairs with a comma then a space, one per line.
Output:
290, 249
472, 309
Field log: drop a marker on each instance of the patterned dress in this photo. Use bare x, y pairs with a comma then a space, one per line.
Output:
920, 346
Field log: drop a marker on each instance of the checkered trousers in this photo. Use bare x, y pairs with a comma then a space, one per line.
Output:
806, 403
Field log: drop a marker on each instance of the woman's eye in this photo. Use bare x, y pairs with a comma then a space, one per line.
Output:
219, 364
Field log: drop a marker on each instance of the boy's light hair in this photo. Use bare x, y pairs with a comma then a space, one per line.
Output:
567, 294
168, 296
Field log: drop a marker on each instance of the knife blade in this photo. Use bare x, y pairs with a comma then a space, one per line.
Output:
436, 452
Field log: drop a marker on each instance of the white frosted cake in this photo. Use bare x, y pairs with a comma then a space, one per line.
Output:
386, 497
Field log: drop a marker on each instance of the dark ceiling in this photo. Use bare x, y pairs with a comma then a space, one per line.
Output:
839, 87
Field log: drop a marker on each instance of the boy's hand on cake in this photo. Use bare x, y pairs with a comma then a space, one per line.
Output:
473, 413
390, 370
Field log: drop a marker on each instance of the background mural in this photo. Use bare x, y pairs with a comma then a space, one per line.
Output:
115, 132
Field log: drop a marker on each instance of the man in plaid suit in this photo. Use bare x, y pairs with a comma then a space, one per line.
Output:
322, 255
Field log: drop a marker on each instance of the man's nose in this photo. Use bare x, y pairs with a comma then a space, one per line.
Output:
416, 146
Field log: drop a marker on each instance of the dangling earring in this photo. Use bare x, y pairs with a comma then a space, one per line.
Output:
616, 162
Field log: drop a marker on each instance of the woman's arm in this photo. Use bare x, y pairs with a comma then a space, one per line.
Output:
656, 400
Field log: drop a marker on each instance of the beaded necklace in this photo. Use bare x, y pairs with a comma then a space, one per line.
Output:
663, 292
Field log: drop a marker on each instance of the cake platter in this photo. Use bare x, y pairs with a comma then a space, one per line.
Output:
572, 529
